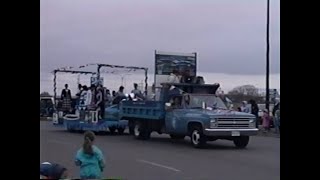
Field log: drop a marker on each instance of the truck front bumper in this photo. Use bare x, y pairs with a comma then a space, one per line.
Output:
231, 132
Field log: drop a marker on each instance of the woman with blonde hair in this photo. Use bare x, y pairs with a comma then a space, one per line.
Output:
90, 158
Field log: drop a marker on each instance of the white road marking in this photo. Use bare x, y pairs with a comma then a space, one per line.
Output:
158, 165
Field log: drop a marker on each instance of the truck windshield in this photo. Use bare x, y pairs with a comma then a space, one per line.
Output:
210, 100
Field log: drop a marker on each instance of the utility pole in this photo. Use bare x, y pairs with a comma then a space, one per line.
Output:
267, 57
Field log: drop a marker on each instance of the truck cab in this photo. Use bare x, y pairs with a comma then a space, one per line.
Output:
189, 110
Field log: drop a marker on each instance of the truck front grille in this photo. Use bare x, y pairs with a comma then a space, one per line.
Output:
233, 122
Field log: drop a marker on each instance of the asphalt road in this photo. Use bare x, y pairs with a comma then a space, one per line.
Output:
162, 158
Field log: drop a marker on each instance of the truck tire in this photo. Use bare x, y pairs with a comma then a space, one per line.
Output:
177, 137
120, 131
198, 139
140, 132
241, 142
112, 130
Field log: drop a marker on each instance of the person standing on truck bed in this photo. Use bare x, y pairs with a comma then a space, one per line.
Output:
108, 98
83, 101
186, 78
66, 98
113, 94
78, 94
174, 77
119, 96
79, 90
137, 93
100, 102
90, 100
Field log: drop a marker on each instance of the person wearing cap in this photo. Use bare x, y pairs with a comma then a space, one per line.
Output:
44, 170
53, 171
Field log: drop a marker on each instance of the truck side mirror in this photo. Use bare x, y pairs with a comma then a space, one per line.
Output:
168, 104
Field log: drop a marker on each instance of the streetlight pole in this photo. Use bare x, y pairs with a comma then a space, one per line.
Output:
267, 57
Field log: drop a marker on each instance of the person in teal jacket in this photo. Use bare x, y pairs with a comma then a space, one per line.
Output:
90, 158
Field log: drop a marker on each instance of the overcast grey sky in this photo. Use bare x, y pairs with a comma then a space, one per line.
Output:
228, 35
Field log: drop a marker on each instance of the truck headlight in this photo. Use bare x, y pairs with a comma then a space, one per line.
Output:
213, 123
252, 123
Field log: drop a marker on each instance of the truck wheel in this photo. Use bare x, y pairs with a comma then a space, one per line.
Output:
174, 136
120, 130
241, 142
112, 130
198, 139
140, 132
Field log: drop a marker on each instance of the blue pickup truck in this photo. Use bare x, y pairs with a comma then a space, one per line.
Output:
188, 110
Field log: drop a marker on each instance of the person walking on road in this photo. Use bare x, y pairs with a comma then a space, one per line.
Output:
277, 120
266, 120
90, 158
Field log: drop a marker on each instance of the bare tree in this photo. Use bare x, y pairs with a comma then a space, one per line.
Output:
248, 90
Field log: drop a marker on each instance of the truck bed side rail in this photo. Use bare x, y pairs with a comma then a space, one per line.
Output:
142, 110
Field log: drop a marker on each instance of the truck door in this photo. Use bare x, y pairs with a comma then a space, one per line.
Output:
174, 116
174, 120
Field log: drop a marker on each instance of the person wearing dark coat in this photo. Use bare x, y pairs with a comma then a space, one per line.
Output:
255, 110
66, 99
